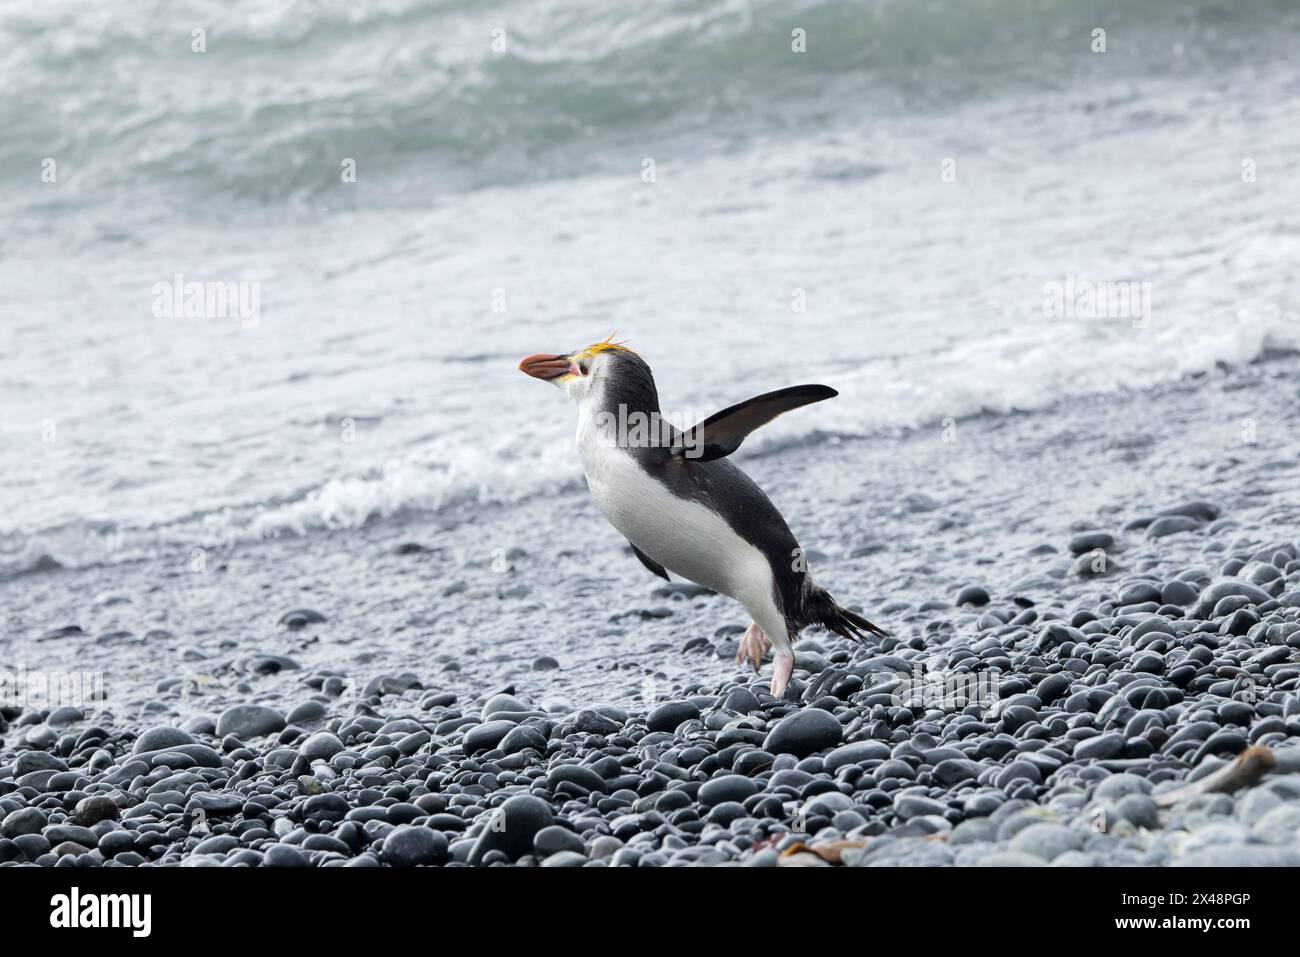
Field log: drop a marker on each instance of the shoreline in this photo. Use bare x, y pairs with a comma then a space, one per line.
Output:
586, 644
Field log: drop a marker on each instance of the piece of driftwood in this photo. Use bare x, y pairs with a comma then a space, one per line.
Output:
821, 855
1251, 765
793, 858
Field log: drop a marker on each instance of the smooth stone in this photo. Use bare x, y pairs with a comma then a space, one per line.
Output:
973, 595
565, 859
955, 770
411, 845
58, 833
522, 738
1238, 855
1178, 593
1121, 785
249, 721
93, 809
325, 807
1171, 525
484, 737
1090, 541
70, 848
217, 844
503, 703
215, 804
1139, 592
583, 777
727, 787
1216, 591
512, 834
909, 806
1099, 748
30, 761
803, 733
1140, 810
64, 716
741, 701
605, 847
555, 839
321, 746
301, 617
1047, 840
161, 738
307, 712
974, 830
670, 714
284, 855
856, 753
1017, 771
589, 721
27, 820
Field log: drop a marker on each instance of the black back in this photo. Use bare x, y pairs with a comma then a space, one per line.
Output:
718, 484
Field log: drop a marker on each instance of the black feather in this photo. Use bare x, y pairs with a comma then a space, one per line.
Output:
819, 608
650, 563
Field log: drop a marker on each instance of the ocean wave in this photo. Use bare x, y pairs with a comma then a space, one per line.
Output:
873, 403
417, 94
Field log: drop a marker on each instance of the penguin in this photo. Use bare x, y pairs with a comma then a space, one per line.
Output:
685, 508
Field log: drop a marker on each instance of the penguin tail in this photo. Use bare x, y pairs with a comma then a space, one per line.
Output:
822, 609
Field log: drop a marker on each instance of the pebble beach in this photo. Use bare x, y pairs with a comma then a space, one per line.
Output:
1094, 617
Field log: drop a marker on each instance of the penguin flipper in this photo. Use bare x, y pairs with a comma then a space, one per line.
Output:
650, 563
721, 433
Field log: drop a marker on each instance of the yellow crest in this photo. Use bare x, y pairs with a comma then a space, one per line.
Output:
608, 345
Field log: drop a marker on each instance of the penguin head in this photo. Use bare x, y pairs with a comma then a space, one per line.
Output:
603, 368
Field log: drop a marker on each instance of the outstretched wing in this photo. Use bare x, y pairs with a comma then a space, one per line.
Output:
650, 563
721, 433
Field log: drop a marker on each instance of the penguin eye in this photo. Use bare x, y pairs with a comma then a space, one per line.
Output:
584, 366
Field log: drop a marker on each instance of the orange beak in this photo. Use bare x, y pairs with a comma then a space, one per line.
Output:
544, 366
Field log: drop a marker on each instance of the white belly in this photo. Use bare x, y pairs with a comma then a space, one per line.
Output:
687, 538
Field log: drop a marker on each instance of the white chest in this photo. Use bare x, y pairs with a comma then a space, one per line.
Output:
686, 537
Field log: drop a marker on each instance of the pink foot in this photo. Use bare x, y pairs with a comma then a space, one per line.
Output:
753, 645
782, 668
